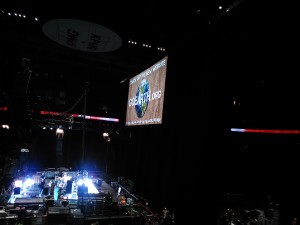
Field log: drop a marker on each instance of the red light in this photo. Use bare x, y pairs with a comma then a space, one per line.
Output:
79, 116
265, 131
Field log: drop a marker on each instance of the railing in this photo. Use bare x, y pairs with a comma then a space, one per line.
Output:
147, 214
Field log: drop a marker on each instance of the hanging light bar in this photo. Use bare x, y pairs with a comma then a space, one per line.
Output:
79, 116
269, 131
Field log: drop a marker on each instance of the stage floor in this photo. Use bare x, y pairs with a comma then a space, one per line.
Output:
108, 206
23, 199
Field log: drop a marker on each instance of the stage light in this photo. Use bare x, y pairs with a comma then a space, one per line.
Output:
89, 184
80, 182
66, 177
18, 183
91, 187
59, 132
5, 126
28, 182
106, 136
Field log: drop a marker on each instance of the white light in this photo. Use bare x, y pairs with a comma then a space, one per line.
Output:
237, 130
15, 14
59, 133
105, 134
24, 150
220, 7
36, 19
24, 16
18, 183
20, 15
28, 182
91, 187
66, 177
9, 14
80, 182
5, 126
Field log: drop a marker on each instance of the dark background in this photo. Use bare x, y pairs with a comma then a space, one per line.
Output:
234, 69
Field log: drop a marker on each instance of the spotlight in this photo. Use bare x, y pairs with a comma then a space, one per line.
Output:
5, 126
59, 132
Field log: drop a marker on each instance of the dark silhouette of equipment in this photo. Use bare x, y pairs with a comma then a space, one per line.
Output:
65, 203
82, 190
46, 191
17, 190
69, 187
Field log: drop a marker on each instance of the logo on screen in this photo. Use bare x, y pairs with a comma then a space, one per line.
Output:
142, 94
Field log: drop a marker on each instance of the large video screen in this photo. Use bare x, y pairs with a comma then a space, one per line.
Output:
146, 95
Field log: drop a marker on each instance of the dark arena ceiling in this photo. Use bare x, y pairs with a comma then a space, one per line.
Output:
47, 63
45, 68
